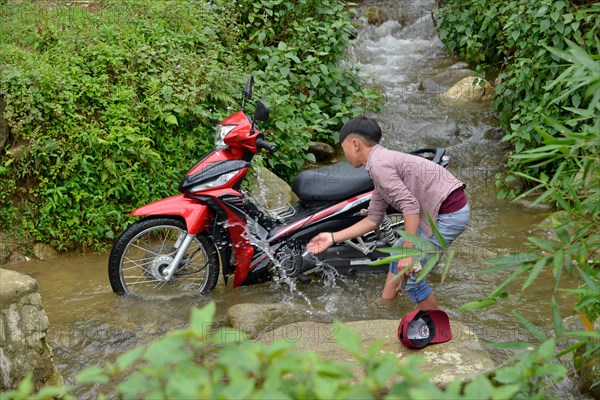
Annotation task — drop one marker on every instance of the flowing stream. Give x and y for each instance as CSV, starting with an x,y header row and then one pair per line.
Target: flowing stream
x,y
405,58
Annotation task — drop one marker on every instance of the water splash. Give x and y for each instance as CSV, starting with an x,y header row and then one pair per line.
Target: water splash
x,y
328,272
257,236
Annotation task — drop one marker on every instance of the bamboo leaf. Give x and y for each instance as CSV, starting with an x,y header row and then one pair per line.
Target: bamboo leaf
x,y
404,251
449,257
571,348
535,271
436,231
431,263
590,283
506,282
387,260
417,241
582,56
543,244
559,328
533,329
557,268
476,305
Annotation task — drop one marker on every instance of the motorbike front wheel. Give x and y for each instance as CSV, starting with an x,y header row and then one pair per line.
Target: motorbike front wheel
x,y
146,249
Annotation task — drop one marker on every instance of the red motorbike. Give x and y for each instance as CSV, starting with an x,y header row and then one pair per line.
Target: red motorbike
x,y
183,241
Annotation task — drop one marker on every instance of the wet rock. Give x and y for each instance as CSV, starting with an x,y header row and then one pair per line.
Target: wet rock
x,y
23,329
322,151
529,203
270,191
463,357
374,16
494,134
388,28
256,318
5,251
44,252
470,90
16,258
449,77
459,65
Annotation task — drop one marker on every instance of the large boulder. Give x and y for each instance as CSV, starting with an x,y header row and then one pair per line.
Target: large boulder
x,y
375,15
23,328
470,90
322,151
463,357
449,76
254,319
270,191
5,249
44,252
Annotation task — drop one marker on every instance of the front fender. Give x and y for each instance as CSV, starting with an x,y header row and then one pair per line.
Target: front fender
x,y
197,216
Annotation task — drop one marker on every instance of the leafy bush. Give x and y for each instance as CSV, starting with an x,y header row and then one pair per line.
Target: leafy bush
x,y
513,38
299,50
573,248
564,169
109,105
199,362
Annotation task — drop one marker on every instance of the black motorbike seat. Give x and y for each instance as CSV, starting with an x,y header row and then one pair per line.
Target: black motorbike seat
x,y
334,182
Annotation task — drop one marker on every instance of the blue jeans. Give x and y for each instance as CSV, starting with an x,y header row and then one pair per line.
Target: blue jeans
x,y
450,226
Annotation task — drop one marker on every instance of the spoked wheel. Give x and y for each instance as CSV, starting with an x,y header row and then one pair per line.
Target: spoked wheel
x,y
140,256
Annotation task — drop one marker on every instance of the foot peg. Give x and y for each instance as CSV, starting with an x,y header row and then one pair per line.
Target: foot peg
x,y
304,279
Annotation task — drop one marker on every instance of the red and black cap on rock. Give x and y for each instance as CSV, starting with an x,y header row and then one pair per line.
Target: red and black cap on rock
x,y
419,328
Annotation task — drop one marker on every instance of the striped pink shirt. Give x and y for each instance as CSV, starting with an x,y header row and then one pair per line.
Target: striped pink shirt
x,y
411,184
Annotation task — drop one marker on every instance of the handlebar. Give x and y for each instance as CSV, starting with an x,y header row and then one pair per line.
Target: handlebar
x,y
262,144
435,154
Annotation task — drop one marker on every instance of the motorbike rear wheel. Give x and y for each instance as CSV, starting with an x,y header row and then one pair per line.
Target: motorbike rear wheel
x,y
146,248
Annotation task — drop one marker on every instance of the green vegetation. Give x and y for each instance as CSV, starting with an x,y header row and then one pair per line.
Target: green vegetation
x,y
514,39
202,363
548,98
108,105
548,53
573,248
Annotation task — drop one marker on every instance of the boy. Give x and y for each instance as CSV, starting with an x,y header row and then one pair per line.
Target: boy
x,y
412,185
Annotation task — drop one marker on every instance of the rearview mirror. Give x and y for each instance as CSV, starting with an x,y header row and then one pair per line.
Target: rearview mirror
x,y
249,88
262,111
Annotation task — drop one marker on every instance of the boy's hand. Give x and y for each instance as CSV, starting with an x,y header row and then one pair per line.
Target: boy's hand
x,y
320,243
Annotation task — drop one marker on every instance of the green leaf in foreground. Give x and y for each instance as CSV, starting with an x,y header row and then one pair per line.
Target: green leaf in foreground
x,y
476,305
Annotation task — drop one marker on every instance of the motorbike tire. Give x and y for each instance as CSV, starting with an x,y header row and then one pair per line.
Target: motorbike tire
x,y
147,247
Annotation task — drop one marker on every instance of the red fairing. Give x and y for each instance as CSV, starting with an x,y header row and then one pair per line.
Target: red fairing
x,y
236,226
240,136
215,156
239,141
243,252
197,216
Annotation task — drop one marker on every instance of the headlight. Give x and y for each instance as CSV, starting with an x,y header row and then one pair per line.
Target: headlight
x,y
220,181
221,132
